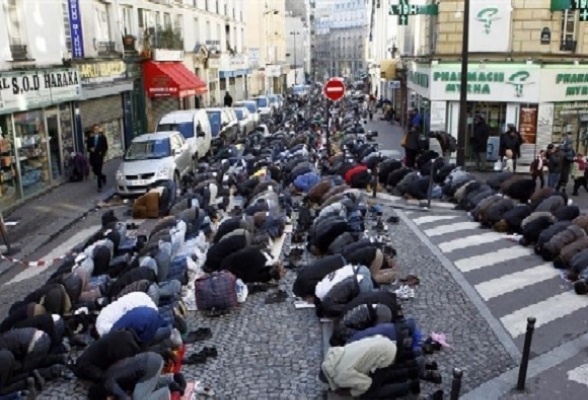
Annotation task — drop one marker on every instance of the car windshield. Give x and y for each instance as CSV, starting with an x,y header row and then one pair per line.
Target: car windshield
x,y
261,102
148,150
215,122
185,128
251,107
240,114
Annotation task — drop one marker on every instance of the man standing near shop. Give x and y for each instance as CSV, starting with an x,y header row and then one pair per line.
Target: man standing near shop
x,y
97,146
480,142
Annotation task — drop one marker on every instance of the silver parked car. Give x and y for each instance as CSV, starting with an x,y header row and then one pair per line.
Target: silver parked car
x,y
246,121
152,158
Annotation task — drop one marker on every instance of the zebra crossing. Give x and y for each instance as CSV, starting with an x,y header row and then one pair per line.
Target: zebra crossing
x,y
512,281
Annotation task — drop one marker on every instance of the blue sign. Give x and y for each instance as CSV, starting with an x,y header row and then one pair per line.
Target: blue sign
x,y
75,27
492,148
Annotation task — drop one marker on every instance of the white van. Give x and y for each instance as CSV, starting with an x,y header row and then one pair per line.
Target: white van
x,y
194,127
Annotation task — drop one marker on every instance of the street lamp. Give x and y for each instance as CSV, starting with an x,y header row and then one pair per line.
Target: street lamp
x,y
463,90
295,33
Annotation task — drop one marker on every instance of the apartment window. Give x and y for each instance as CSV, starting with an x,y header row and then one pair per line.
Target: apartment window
x,y
167,23
126,20
14,22
178,25
216,7
568,30
66,27
208,31
207,5
196,30
101,22
141,17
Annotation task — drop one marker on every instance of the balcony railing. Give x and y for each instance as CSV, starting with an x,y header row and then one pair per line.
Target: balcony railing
x,y
19,52
568,45
105,48
168,38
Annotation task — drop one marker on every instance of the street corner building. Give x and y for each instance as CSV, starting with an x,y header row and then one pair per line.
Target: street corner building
x,y
525,67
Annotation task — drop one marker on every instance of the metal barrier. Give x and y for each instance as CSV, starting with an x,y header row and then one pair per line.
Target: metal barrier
x,y
526,352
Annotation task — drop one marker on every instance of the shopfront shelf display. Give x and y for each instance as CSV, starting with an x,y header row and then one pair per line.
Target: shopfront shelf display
x,y
8,174
31,144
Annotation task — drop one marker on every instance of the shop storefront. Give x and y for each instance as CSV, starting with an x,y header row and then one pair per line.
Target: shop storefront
x,y
502,94
214,94
167,84
105,91
272,79
564,105
36,129
234,76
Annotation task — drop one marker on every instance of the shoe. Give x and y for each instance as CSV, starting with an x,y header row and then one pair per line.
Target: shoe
x,y
277,297
193,359
438,395
414,387
404,292
432,366
433,377
201,390
198,335
211,352
180,380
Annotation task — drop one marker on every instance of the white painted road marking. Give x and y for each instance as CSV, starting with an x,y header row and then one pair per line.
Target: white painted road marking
x,y
458,226
468,241
545,311
57,252
579,375
486,260
515,281
432,218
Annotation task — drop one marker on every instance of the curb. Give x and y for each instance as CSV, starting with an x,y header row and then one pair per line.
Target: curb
x,y
90,207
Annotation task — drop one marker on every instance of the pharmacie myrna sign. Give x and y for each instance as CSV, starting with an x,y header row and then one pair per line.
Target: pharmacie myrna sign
x,y
21,91
516,85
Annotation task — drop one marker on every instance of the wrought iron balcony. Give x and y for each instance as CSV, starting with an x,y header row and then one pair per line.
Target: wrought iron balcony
x,y
19,52
105,48
568,45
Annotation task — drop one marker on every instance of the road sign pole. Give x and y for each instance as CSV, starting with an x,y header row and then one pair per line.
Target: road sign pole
x,y
328,136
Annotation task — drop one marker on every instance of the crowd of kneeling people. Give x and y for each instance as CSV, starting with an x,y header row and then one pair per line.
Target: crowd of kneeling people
x,y
376,352
543,218
117,304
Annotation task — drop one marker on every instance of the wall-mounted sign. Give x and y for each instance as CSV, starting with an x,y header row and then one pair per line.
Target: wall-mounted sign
x,y
102,72
490,26
404,8
545,36
512,83
75,27
38,89
168,55
564,83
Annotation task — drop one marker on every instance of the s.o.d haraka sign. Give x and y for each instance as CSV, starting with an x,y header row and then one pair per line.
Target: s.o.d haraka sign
x,y
36,89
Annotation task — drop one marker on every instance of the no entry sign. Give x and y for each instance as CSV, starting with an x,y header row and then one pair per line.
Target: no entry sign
x,y
334,89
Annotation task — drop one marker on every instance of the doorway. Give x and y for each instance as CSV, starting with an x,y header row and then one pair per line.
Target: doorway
x,y
55,156
493,113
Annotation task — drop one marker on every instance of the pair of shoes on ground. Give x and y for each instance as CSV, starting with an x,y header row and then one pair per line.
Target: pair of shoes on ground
x,y
202,356
404,292
410,280
276,297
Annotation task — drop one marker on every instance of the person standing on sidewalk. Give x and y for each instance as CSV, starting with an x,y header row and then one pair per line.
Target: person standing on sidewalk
x,y
536,169
480,142
511,140
554,165
97,146
567,148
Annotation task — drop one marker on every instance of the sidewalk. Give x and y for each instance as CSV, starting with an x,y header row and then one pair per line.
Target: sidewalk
x,y
42,218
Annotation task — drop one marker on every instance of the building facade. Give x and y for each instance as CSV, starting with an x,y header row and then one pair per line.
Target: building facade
x,y
340,33
266,45
297,35
525,68
66,65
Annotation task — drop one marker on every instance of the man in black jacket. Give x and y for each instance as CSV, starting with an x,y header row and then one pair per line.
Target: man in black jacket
x,y
480,142
97,146
511,140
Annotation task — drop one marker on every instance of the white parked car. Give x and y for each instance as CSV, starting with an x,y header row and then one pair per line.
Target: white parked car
x,y
194,127
274,102
246,121
252,107
264,106
152,158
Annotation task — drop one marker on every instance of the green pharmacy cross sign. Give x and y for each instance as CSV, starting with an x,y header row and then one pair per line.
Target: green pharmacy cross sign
x,y
572,5
403,9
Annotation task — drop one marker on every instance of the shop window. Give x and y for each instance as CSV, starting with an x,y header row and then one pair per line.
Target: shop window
x,y
126,20
9,188
571,118
113,132
167,22
30,139
101,20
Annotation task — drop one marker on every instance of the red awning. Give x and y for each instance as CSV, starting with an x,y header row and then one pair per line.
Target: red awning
x,y
171,79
